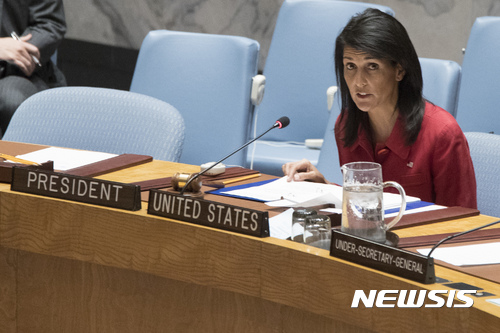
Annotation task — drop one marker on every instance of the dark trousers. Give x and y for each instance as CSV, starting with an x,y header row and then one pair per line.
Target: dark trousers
x,y
13,91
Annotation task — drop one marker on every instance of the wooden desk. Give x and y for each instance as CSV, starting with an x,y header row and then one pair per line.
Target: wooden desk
x,y
71,267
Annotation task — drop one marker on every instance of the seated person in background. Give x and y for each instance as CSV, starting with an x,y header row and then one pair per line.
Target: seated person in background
x,y
41,26
385,119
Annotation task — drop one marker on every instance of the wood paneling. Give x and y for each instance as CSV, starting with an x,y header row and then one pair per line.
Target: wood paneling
x,y
71,267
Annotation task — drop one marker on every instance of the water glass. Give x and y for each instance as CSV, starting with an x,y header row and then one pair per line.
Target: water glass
x,y
318,231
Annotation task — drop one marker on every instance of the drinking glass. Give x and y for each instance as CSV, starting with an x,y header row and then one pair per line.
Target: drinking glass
x,y
318,231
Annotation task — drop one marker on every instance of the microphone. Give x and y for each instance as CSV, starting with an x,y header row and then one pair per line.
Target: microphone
x,y
460,234
280,123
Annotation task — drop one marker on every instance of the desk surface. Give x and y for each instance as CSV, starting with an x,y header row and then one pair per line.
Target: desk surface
x,y
67,266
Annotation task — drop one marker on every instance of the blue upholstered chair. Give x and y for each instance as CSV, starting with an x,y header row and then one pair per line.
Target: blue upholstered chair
x,y
53,57
485,153
478,109
208,78
99,119
328,159
441,82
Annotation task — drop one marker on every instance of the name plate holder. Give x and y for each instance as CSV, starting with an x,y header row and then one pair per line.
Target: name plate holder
x,y
208,213
382,257
76,188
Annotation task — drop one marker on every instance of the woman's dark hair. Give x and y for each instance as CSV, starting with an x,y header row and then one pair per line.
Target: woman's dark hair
x,y
383,37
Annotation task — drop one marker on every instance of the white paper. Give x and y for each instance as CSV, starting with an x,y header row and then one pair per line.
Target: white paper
x,y
495,301
324,199
332,210
280,226
465,255
65,159
282,193
294,192
392,200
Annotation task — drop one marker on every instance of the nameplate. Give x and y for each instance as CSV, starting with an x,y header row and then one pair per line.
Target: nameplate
x,y
76,188
208,213
382,257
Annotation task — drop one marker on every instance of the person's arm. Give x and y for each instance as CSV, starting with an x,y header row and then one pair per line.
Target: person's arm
x,y
19,53
303,170
453,173
47,26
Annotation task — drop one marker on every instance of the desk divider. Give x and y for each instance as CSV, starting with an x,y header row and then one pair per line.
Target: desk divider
x,y
112,164
6,169
431,240
165,182
433,216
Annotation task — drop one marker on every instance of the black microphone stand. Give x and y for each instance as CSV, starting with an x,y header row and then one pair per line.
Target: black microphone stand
x,y
190,180
460,234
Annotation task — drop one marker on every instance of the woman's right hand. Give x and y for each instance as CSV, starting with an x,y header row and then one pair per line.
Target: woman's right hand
x,y
303,170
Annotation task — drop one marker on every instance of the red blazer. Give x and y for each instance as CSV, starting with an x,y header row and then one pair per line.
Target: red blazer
x,y
436,168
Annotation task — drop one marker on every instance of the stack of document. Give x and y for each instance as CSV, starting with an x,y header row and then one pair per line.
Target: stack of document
x,y
65,158
466,255
282,193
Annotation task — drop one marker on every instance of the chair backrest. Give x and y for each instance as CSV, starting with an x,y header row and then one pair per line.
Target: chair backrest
x,y
441,82
53,57
328,160
485,153
300,66
208,78
478,95
99,119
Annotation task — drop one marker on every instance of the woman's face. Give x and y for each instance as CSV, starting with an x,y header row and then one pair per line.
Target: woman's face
x,y
373,83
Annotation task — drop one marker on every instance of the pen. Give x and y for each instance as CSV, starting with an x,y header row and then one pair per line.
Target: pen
x,y
234,180
222,184
35,59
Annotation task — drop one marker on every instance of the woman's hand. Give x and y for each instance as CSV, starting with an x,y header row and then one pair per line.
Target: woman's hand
x,y
303,170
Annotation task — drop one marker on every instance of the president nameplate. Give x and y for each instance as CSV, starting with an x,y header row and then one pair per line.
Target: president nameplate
x,y
208,213
382,257
76,188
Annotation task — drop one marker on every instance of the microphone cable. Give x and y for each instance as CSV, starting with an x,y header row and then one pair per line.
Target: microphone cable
x,y
458,235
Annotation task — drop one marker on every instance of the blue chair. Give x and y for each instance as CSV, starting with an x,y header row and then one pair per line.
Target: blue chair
x,y
299,68
478,95
485,153
53,57
99,119
208,78
441,82
328,159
